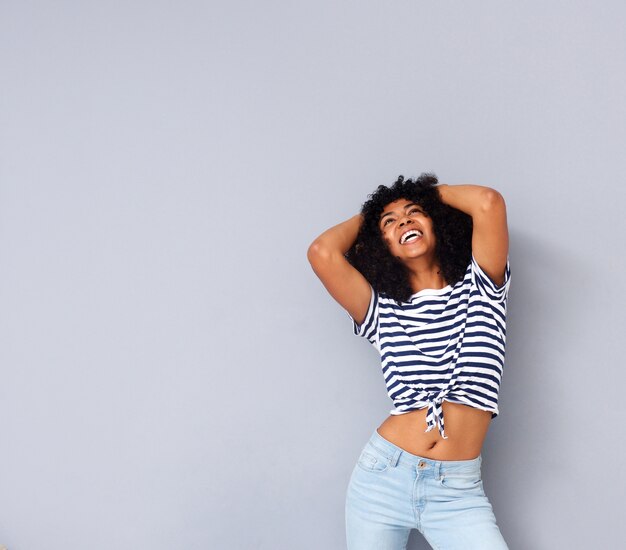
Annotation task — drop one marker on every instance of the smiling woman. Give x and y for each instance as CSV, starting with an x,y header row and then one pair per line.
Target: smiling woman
x,y
441,254
409,235
423,273
404,207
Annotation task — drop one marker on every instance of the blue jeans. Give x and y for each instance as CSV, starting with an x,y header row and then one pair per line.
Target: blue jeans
x,y
392,491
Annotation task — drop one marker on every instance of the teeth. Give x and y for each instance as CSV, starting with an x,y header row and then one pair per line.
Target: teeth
x,y
409,235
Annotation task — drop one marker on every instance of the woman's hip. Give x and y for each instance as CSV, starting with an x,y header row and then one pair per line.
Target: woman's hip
x,y
443,499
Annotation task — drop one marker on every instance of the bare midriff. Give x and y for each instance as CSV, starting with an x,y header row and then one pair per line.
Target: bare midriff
x,y
465,428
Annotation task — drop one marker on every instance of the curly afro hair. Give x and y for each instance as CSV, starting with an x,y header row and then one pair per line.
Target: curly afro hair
x,y
453,236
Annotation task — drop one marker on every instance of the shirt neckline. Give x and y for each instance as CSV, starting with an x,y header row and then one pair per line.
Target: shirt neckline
x,y
431,291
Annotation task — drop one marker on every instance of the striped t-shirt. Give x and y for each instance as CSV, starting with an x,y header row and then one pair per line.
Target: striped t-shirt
x,y
443,343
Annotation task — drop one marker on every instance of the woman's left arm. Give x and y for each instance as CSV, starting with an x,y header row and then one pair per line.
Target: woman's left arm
x,y
490,235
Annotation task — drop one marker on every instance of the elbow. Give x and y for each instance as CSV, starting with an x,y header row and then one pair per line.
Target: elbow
x,y
315,251
492,199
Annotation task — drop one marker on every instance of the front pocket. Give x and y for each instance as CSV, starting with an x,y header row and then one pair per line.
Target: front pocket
x,y
373,460
461,482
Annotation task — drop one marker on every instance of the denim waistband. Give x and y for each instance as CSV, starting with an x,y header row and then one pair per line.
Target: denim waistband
x,y
397,455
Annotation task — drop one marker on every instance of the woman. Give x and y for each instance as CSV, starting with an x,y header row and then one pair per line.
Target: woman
x,y
423,272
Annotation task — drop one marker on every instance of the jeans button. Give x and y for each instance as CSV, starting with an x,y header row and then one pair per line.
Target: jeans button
x,y
422,464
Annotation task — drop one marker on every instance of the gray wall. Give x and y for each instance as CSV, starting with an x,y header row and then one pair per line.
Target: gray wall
x,y
173,373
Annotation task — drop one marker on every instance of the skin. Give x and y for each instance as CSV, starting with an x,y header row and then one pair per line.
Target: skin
x,y
466,427
418,255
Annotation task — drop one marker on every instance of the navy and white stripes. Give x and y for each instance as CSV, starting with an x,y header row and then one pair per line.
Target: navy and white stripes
x,y
444,343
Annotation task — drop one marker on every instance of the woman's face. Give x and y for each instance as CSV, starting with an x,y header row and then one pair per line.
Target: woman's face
x,y
400,216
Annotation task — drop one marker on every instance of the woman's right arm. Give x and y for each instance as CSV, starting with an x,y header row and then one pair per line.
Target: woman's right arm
x,y
344,282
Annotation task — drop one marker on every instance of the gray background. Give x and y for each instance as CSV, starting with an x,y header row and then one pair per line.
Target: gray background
x,y
174,375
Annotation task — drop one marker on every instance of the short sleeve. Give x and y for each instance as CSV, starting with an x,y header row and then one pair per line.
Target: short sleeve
x,y
369,328
486,286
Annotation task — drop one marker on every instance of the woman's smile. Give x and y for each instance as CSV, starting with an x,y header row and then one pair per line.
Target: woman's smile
x,y
406,227
410,236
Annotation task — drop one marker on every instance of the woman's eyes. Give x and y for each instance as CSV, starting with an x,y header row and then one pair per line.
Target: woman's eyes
x,y
410,212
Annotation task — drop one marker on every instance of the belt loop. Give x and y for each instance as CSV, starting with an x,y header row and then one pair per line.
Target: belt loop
x,y
438,469
396,457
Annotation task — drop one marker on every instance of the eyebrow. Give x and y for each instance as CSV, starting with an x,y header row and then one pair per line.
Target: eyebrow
x,y
405,207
